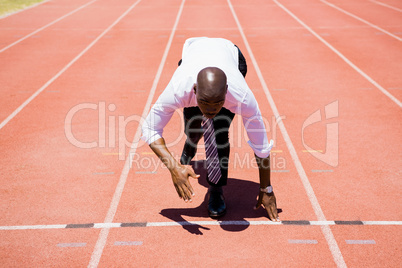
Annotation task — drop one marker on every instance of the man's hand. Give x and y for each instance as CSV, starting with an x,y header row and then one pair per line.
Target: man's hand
x,y
180,173
268,201
180,176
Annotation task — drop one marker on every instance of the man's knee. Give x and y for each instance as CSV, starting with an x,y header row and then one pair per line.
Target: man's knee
x,y
193,138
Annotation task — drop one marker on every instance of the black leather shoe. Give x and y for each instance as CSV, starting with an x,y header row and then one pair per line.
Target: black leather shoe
x,y
216,203
188,154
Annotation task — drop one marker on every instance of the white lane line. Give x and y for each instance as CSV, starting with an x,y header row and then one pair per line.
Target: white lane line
x,y
44,27
361,242
322,223
100,244
22,106
362,20
33,227
333,246
206,223
385,5
107,225
357,69
382,222
19,11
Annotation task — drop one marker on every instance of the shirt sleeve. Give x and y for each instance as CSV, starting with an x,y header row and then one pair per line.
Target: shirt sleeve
x,y
160,114
255,127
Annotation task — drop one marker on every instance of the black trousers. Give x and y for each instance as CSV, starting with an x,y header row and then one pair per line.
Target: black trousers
x,y
221,122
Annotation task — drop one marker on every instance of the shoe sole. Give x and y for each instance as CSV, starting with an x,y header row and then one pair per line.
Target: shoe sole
x,y
216,216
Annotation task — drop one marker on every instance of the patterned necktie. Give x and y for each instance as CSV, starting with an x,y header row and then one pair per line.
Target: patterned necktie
x,y
211,151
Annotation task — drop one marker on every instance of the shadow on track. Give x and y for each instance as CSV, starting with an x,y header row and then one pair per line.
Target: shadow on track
x,y
240,197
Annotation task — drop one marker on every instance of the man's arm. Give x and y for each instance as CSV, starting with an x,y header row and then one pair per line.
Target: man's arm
x,y
179,173
267,200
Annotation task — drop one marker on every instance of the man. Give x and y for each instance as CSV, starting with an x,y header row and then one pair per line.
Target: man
x,y
209,85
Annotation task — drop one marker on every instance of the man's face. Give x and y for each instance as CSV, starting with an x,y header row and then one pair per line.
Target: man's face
x,y
210,105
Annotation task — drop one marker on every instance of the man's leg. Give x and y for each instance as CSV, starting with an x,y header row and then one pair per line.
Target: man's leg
x,y
216,203
222,123
193,130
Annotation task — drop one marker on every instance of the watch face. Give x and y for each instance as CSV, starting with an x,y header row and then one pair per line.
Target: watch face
x,y
267,190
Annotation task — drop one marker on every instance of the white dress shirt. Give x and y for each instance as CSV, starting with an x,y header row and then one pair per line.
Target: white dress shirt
x,y
199,53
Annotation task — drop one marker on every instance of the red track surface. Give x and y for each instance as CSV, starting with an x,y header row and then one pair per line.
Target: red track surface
x,y
48,180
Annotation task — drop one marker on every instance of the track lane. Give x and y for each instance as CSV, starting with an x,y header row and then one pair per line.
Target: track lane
x,y
14,27
373,54
306,92
103,236
386,18
387,5
44,27
372,246
54,181
28,72
43,139
303,93
326,231
216,246
363,20
46,248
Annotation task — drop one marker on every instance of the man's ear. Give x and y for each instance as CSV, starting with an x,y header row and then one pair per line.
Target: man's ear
x,y
195,88
226,89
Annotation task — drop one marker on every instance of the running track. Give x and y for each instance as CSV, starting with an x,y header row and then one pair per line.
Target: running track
x,y
76,77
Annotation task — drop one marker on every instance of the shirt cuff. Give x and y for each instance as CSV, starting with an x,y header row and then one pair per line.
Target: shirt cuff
x,y
262,152
151,139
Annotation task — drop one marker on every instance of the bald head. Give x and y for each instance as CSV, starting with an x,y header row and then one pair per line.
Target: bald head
x,y
211,89
211,82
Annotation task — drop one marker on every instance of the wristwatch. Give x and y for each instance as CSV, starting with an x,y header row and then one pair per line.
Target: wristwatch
x,y
267,190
